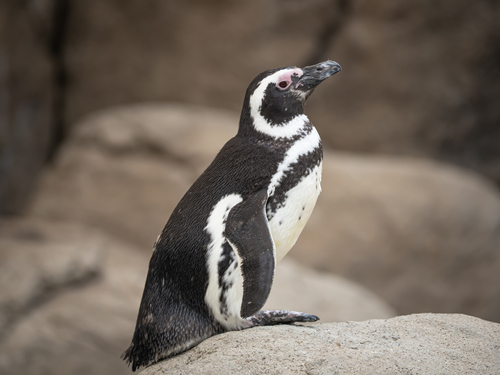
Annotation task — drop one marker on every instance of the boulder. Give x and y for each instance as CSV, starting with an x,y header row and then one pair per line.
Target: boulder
x,y
81,328
330,297
68,308
124,170
423,236
414,344
27,99
187,134
39,259
192,52
419,77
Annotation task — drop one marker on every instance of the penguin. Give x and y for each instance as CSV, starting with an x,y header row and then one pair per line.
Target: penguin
x,y
213,264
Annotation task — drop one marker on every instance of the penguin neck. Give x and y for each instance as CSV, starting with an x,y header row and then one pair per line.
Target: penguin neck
x,y
254,125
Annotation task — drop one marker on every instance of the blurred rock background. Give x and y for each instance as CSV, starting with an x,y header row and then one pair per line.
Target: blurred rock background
x,y
109,110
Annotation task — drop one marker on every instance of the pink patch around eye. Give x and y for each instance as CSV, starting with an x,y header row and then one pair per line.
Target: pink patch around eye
x,y
287,76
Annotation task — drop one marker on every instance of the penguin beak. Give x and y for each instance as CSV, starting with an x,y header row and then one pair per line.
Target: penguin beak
x,y
315,74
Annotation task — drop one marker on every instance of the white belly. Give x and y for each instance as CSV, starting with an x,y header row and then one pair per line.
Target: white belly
x,y
289,220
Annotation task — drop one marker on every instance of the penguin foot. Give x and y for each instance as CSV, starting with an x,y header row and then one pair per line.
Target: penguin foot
x,y
271,317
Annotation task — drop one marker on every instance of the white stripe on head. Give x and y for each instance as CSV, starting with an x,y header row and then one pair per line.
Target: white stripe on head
x,y
287,130
216,225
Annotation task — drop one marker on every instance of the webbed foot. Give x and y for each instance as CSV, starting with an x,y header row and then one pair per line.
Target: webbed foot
x,y
271,317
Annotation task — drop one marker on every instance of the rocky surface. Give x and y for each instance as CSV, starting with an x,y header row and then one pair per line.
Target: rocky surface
x,y
188,134
37,260
423,236
125,169
27,99
415,344
192,52
82,328
419,77
69,298
332,298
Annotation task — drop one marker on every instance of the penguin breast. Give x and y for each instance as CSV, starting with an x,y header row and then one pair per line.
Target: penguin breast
x,y
289,219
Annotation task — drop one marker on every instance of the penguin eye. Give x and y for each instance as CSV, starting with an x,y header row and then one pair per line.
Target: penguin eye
x,y
283,84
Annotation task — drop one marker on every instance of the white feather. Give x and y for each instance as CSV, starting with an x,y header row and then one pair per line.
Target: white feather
x,y
287,130
216,225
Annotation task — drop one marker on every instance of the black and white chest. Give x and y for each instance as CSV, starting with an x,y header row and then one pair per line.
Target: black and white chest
x,y
295,185
294,190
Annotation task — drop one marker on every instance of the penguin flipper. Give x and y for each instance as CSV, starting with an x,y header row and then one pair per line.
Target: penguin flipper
x,y
247,230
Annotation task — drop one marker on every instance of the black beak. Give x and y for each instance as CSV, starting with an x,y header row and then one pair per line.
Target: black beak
x,y
315,74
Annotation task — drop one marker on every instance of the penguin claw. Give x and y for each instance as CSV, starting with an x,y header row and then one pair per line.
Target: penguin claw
x,y
271,317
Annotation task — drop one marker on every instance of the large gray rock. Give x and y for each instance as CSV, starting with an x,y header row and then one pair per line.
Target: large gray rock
x,y
419,77
415,344
332,298
192,52
39,259
187,134
57,318
423,236
27,92
79,329
126,169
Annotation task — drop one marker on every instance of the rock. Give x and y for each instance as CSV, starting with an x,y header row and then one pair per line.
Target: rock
x,y
419,78
332,298
421,235
190,52
39,259
27,92
415,344
188,134
81,329
124,170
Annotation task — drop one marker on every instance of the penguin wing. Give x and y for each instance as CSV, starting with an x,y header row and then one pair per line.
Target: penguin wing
x,y
247,230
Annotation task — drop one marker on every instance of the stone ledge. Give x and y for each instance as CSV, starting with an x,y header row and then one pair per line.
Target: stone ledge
x,y
412,344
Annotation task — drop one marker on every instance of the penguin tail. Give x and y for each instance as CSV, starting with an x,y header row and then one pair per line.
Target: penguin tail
x,y
162,336
128,357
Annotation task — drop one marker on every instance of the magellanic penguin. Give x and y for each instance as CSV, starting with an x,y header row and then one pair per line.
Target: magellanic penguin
x,y
213,264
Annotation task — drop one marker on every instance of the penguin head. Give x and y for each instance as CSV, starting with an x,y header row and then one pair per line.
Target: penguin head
x,y
276,97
